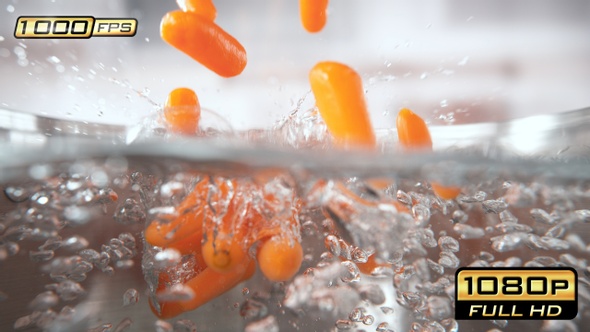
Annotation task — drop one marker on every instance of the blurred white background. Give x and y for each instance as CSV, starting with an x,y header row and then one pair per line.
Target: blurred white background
x,y
452,61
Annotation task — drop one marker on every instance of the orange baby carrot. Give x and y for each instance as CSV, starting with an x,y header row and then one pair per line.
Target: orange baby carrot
x,y
280,257
412,131
189,221
414,134
204,41
222,245
206,8
209,284
445,192
339,96
313,14
183,111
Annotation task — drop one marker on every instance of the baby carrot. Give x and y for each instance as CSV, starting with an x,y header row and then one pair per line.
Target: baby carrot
x,y
313,14
183,111
280,257
209,284
414,134
206,8
412,131
222,245
204,41
189,221
339,96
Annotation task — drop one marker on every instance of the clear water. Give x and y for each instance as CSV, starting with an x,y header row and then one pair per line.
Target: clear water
x,y
73,255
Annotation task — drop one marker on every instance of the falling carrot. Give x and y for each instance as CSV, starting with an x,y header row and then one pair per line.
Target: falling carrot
x,y
204,41
414,134
205,8
313,14
183,111
339,95
412,131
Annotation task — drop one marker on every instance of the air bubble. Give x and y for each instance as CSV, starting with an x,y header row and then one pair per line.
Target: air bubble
x,y
167,258
368,320
447,243
344,324
185,325
130,297
163,326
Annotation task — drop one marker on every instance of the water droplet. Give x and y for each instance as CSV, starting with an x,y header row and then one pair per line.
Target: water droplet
x,y
69,290
383,327
387,310
185,325
421,214
448,260
163,326
10,8
439,307
494,206
44,301
167,258
130,213
352,273
459,217
447,243
268,324
540,215
24,322
435,266
368,320
403,197
332,244
344,324
356,315
41,256
17,194
178,292
130,297
372,293
252,309
468,232
75,243
508,242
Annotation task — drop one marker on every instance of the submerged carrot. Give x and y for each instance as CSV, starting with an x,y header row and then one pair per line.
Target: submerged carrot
x,y
280,258
205,8
313,14
339,96
183,111
204,41
209,284
189,221
414,134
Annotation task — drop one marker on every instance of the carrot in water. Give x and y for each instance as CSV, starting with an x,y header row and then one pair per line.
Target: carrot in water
x,y
210,284
313,14
414,134
339,95
205,8
280,258
204,41
183,111
189,221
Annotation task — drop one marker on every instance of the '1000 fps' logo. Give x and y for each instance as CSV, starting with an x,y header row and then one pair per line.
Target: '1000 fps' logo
x,y
516,293
73,27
